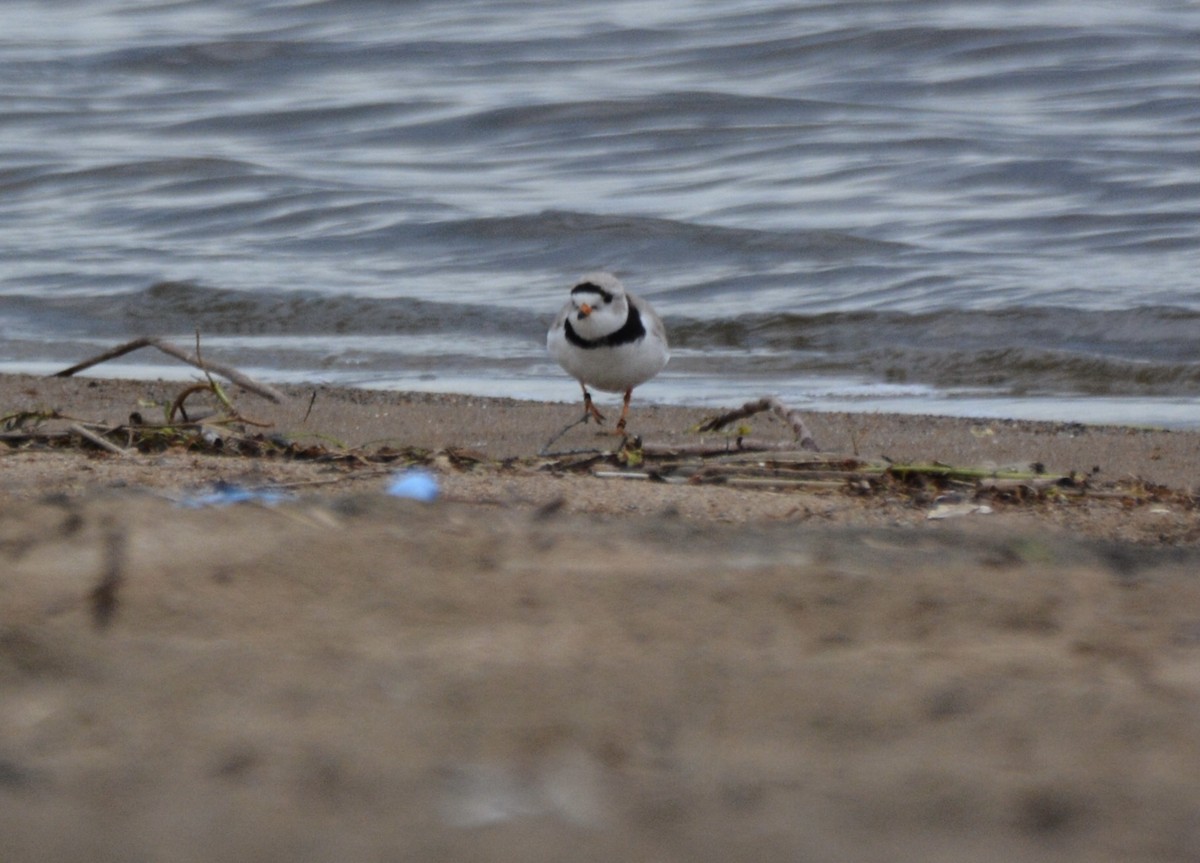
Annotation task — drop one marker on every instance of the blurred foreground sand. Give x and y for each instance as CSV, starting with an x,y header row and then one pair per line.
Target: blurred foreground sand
x,y
555,666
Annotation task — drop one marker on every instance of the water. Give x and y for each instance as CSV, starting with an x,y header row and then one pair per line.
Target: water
x,y
972,208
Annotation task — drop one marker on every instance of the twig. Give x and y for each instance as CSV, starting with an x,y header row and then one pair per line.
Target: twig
x,y
736,445
216,388
232,374
583,420
177,405
777,483
201,366
773,404
97,440
545,450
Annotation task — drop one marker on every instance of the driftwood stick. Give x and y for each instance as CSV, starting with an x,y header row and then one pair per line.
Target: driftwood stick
x,y
97,440
118,351
224,371
770,403
731,447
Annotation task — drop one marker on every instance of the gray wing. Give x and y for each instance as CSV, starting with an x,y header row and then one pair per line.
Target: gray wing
x,y
561,318
650,318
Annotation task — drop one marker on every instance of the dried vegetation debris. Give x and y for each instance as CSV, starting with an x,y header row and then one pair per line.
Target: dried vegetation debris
x,y
219,428
740,461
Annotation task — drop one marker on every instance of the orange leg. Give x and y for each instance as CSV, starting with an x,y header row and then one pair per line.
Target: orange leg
x,y
590,409
624,411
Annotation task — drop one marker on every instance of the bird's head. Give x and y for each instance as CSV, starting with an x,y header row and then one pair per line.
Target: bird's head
x,y
600,304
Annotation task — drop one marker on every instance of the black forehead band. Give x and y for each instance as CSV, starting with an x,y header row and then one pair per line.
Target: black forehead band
x,y
592,288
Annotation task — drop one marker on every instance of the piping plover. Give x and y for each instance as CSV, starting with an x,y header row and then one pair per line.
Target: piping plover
x,y
607,339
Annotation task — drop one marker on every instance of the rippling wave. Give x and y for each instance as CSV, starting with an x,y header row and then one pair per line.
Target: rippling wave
x,y
995,198
1139,352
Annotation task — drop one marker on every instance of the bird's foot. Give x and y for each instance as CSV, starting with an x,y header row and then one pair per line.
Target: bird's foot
x,y
590,411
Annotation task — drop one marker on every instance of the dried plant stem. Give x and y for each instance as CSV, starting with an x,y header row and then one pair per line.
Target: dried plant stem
x,y
97,440
773,404
206,366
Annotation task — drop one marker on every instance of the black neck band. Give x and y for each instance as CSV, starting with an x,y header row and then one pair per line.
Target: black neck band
x,y
630,331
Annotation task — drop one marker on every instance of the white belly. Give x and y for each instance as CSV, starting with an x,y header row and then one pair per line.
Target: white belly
x,y
612,370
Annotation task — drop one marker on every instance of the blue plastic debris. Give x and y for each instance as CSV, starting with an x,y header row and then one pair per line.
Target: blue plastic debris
x,y
416,484
225,493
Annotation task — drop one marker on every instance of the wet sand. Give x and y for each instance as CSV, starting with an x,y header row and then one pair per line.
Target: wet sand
x,y
545,664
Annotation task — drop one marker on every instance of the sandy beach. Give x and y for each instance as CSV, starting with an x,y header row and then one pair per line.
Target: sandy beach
x,y
570,656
